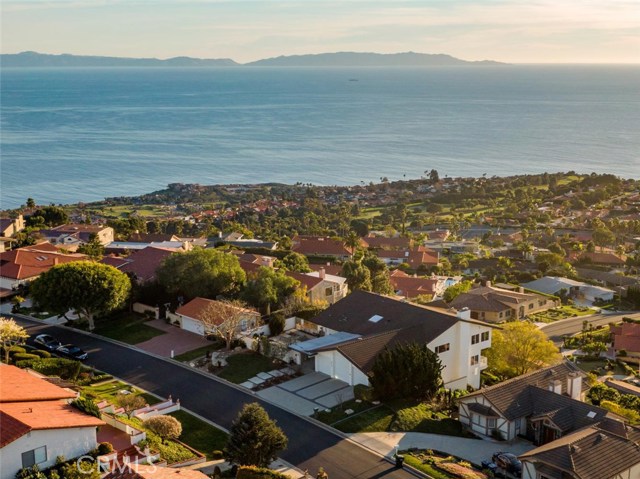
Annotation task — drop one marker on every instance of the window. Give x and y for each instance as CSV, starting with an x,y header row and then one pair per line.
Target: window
x,y
482,315
475,339
508,313
442,348
485,336
475,360
501,313
491,423
34,456
531,305
328,291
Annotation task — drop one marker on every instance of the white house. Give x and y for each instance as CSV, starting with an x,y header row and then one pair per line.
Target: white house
x,y
38,424
380,322
575,289
190,317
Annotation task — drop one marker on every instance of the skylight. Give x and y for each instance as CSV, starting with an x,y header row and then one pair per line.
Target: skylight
x,y
375,318
591,414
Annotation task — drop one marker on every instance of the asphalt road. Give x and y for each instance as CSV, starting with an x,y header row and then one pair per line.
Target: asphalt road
x,y
555,331
310,446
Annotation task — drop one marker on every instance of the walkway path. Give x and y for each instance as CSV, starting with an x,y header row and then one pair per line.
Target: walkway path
x,y
472,450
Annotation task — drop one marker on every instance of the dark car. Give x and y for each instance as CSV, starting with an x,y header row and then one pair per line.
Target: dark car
x,y
508,462
48,342
71,351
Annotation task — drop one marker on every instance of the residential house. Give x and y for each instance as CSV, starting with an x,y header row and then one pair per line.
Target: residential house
x,y
238,240
71,236
126,247
320,246
152,237
10,226
542,406
381,322
37,424
576,290
626,338
142,264
493,305
414,258
603,258
322,287
607,450
334,269
411,287
191,314
384,242
456,247
623,387
22,265
259,259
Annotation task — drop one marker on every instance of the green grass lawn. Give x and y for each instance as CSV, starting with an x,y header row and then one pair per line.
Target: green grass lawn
x,y
109,391
200,435
373,420
562,312
127,327
198,353
589,366
246,365
338,412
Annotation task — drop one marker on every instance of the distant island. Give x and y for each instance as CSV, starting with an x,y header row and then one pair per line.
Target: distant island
x,y
340,59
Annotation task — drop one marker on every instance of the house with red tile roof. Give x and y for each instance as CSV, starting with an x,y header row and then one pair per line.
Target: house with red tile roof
x,y
71,236
22,265
11,226
142,264
383,242
626,337
321,287
320,246
37,423
410,287
414,257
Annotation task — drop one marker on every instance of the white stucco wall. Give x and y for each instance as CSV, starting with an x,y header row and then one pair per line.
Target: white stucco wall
x,y
70,443
192,325
337,366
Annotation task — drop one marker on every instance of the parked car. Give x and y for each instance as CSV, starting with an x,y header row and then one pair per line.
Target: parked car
x,y
48,342
72,352
508,462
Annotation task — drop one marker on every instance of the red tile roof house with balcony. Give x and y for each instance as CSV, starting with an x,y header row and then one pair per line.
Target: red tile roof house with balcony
x,y
37,424
626,338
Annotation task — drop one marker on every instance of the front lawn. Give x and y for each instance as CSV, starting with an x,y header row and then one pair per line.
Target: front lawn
x,y
561,312
200,352
243,366
126,327
372,420
600,366
108,391
200,435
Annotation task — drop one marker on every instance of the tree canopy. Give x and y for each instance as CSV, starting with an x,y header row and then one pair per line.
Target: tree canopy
x,y
201,272
357,274
520,347
224,319
452,292
407,371
296,262
11,334
86,287
269,287
167,427
379,274
254,439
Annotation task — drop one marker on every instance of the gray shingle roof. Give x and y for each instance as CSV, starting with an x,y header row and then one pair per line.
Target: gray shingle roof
x,y
596,452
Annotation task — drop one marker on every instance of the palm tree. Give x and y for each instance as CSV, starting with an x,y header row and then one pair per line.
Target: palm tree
x,y
352,241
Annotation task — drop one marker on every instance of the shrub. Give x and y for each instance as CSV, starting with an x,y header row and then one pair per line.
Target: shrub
x,y
86,405
104,448
362,392
217,454
41,353
64,368
276,324
164,426
24,356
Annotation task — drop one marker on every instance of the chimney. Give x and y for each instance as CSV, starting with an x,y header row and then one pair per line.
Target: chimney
x,y
520,289
321,273
464,313
574,386
556,386
488,284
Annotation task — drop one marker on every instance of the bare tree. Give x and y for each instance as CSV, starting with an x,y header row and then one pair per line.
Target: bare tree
x,y
130,402
225,318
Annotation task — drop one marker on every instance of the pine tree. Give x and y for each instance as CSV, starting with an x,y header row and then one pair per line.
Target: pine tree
x,y
254,439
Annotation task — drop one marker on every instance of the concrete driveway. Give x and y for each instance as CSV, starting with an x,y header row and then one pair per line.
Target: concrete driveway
x,y
174,339
472,450
304,394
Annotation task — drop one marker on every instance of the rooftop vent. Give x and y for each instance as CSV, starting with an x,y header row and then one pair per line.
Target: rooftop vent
x,y
375,318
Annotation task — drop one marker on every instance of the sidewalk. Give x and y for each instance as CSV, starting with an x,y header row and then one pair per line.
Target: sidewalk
x,y
472,450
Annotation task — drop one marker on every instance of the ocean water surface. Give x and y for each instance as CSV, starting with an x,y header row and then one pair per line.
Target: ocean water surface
x,y
69,135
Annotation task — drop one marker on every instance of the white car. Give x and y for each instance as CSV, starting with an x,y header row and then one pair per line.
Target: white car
x,y
48,342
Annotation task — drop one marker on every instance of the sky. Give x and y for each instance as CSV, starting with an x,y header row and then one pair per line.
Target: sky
x,y
514,31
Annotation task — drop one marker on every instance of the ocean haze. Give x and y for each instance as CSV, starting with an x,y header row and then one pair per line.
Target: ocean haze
x,y
82,134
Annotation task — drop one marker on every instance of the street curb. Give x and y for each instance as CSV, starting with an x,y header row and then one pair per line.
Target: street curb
x,y
313,421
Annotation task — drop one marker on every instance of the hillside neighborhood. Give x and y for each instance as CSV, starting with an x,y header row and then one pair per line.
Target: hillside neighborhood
x,y
486,326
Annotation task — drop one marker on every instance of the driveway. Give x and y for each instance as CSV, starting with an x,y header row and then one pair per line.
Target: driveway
x,y
311,445
174,339
472,450
306,394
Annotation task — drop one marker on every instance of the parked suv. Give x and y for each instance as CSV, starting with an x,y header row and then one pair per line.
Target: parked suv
x,y
508,462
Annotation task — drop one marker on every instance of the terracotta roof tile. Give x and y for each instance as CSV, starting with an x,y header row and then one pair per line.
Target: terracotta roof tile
x,y
18,385
319,245
11,429
49,415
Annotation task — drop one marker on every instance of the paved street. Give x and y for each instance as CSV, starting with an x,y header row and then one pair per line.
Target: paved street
x,y
310,446
571,326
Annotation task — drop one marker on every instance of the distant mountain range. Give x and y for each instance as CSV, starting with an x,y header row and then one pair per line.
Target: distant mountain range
x,y
341,59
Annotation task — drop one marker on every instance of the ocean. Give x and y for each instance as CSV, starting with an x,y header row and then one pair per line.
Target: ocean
x,y
70,135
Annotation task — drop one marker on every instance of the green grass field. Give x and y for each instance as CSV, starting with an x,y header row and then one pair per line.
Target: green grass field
x,y
199,434
128,328
110,390
244,366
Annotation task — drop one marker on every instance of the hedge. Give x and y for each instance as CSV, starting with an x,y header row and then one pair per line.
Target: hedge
x,y
41,353
24,356
64,368
252,472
